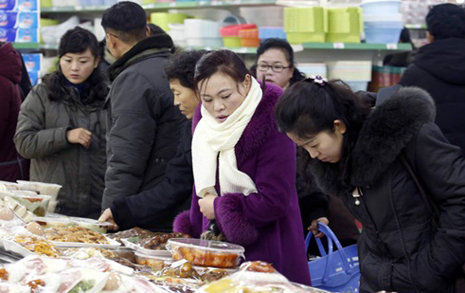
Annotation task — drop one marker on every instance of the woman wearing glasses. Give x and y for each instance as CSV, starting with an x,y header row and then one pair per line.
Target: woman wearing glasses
x,y
275,63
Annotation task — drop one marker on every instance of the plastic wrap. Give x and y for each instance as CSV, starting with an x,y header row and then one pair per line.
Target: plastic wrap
x,y
256,277
206,252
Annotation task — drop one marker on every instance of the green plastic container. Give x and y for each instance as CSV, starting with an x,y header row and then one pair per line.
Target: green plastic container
x,y
162,19
343,38
46,3
312,19
347,20
299,38
233,42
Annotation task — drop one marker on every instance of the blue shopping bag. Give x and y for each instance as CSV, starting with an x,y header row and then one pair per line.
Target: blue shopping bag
x,y
335,271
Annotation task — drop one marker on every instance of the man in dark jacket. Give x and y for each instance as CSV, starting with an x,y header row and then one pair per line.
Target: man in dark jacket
x,y
142,121
12,166
439,68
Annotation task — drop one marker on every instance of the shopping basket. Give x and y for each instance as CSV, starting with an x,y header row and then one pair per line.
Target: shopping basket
x,y
335,271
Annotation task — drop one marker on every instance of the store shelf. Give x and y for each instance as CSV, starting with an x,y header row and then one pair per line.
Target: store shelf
x,y
419,26
297,48
49,46
353,46
26,46
163,6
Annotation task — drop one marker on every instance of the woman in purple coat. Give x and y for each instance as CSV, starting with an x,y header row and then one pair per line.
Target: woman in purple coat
x,y
244,169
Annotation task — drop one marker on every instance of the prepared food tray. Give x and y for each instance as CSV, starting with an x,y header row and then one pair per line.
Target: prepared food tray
x,y
154,246
28,245
87,252
62,221
76,236
206,252
136,233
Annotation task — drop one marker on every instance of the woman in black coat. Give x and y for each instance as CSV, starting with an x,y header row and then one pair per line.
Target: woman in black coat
x,y
158,206
356,155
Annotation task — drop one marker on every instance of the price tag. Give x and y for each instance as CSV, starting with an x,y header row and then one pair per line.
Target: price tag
x,y
298,48
391,46
338,45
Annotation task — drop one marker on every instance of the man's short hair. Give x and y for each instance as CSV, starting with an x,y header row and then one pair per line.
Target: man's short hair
x,y
446,21
127,20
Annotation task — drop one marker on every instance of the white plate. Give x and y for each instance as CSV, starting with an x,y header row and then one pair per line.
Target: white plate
x,y
112,244
151,252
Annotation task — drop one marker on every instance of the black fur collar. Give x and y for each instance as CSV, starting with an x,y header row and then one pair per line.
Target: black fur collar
x,y
387,130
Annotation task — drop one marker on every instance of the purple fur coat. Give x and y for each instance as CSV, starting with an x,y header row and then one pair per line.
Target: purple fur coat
x,y
266,223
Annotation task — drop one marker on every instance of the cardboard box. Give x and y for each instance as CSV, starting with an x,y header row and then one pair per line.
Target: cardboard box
x,y
14,19
19,5
20,35
33,62
33,77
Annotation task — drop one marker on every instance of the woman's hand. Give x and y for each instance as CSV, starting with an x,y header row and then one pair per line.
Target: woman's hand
x,y
206,206
314,227
107,216
79,135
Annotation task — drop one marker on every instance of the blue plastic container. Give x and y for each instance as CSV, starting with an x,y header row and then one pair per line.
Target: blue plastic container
x,y
383,32
387,6
271,32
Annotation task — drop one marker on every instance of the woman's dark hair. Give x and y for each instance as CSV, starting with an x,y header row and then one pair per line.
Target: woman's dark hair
x,y
77,40
224,61
286,48
181,66
307,108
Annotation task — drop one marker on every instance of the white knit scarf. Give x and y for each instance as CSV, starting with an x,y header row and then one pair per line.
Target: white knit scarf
x,y
212,138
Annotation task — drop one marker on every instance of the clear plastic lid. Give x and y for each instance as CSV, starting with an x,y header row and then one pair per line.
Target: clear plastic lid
x,y
215,246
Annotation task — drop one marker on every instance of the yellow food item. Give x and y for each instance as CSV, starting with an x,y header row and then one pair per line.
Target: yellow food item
x,y
37,245
75,234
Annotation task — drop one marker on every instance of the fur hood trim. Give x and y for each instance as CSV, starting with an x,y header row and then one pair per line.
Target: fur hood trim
x,y
261,124
385,133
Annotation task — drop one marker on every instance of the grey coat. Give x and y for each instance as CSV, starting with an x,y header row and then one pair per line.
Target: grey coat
x,y
143,123
41,137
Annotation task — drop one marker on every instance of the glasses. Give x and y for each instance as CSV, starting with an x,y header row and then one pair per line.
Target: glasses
x,y
275,67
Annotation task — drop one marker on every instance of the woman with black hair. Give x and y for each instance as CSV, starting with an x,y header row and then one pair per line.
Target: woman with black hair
x,y
275,63
61,126
392,167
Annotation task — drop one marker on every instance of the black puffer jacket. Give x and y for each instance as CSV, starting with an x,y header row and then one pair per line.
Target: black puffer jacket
x,y
143,123
399,249
439,68
156,208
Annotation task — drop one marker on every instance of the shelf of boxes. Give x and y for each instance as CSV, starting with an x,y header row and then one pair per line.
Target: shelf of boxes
x,y
163,6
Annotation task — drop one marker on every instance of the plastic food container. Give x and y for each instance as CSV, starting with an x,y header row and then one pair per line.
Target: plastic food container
x,y
91,224
205,252
386,6
43,189
37,204
157,263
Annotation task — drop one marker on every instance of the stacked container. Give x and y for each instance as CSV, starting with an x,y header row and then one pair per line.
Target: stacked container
x,y
202,33
382,20
268,32
230,34
356,74
176,33
163,19
304,25
345,25
249,37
